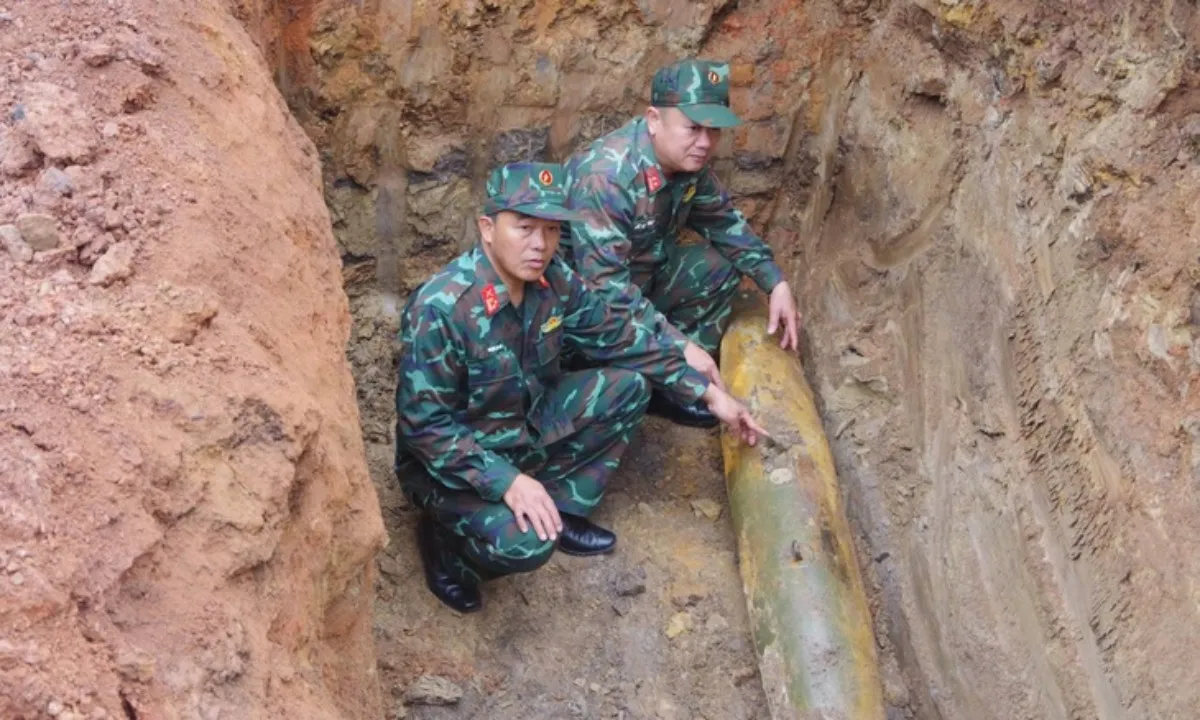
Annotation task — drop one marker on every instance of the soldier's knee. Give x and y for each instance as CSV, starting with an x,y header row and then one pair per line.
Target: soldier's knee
x,y
523,554
631,387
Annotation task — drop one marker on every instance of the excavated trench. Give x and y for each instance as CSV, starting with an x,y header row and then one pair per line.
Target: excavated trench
x,y
988,213
987,209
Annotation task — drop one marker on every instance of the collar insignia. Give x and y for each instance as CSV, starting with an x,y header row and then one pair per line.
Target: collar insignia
x,y
491,303
654,179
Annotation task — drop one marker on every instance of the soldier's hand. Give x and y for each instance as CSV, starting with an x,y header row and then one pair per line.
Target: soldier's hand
x,y
782,309
702,362
533,507
734,415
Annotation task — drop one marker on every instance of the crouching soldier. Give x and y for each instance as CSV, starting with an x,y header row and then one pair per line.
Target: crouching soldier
x,y
636,189
504,453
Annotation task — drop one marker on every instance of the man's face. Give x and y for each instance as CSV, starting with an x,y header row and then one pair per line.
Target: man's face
x,y
680,144
519,246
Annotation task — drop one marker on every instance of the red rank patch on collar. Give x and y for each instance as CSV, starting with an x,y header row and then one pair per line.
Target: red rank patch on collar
x,y
543,282
491,303
654,179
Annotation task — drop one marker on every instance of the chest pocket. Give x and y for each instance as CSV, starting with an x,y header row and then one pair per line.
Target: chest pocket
x,y
494,383
646,244
550,344
681,215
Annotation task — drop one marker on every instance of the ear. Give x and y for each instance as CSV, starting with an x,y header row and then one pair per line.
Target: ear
x,y
653,120
486,229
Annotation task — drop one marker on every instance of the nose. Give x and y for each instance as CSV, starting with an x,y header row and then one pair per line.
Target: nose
x,y
540,239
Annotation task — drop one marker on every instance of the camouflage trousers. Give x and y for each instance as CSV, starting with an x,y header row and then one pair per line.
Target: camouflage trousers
x,y
694,289
604,407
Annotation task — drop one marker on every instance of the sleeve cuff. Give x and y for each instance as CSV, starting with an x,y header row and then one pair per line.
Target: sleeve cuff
x,y
498,477
689,388
767,275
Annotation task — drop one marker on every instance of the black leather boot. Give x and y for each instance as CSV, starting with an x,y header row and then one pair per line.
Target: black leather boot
x,y
581,536
433,545
694,415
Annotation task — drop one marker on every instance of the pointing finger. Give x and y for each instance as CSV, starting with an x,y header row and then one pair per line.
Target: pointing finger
x,y
754,426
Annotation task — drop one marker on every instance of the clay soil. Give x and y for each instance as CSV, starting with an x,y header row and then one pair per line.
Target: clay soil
x,y
988,211
656,630
187,528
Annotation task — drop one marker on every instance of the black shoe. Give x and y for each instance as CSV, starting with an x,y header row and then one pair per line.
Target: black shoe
x,y
581,537
694,415
431,541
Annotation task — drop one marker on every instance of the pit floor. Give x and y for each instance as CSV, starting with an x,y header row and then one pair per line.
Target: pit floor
x,y
576,638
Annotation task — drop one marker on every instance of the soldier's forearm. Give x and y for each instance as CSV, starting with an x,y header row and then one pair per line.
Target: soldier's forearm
x,y
486,472
686,387
673,334
730,233
497,477
451,455
767,274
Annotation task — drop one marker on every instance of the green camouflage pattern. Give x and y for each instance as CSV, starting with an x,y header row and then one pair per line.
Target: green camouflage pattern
x,y
604,408
626,240
700,315
481,396
700,88
529,188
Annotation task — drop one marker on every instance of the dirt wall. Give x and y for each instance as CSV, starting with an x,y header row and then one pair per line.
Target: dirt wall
x,y
186,521
1001,288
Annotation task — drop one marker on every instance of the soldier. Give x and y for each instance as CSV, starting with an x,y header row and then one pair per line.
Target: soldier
x,y
636,188
503,452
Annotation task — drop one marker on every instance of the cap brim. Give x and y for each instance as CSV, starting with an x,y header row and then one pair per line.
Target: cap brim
x,y
711,115
547,211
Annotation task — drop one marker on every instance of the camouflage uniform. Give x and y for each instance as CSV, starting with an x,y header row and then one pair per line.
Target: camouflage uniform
x,y
482,397
626,242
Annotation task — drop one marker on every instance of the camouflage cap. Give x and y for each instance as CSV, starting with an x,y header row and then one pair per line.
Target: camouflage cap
x,y
700,88
534,189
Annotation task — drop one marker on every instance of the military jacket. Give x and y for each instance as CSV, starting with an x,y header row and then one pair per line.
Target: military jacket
x,y
633,215
474,367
